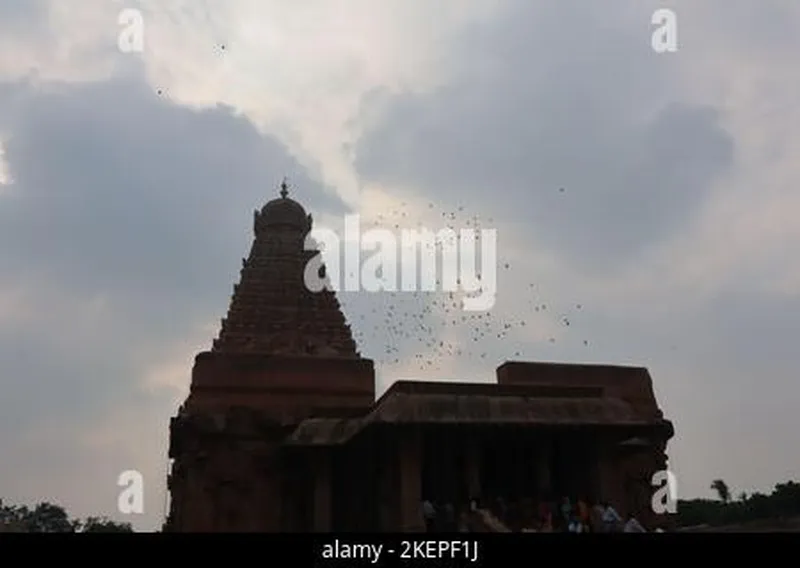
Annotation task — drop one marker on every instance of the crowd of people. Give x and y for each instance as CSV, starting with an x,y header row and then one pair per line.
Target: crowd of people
x,y
576,516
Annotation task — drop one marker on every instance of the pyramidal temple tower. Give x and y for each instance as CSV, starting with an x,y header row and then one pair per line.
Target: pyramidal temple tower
x,y
272,311
284,354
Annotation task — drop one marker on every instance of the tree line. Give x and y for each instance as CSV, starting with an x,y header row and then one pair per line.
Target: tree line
x,y
50,518
782,503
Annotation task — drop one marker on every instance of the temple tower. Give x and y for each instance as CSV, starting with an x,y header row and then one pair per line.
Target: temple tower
x,y
271,310
283,354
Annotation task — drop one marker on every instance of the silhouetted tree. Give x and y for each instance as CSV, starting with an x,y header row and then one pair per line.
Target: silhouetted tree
x,y
103,524
783,502
50,518
722,490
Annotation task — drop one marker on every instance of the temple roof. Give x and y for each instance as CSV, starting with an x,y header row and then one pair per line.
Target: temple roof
x,y
271,310
418,402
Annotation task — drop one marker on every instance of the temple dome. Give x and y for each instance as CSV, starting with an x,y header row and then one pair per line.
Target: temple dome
x,y
283,211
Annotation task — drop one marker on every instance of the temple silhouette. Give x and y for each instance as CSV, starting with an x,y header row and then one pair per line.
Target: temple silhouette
x,y
281,431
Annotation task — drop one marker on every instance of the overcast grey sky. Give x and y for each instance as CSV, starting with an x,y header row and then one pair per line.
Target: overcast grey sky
x,y
127,183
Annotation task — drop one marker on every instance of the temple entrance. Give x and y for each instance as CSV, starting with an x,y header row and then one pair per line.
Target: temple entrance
x,y
573,467
538,468
511,467
517,472
442,469
297,500
443,477
508,471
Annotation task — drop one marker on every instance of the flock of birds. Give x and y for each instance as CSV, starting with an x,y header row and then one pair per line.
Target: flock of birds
x,y
419,331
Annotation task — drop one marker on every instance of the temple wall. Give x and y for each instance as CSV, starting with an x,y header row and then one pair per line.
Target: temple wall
x,y
196,509
218,477
305,374
631,384
638,471
287,408
624,479
290,389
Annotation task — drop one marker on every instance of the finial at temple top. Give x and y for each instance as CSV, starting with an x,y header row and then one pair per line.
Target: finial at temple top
x,y
284,188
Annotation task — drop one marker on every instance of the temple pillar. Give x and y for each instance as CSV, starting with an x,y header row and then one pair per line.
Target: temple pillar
x,y
269,494
289,503
610,478
473,470
388,495
543,454
321,465
411,519
449,490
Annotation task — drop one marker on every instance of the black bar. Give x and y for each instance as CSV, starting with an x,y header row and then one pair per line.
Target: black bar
x,y
460,549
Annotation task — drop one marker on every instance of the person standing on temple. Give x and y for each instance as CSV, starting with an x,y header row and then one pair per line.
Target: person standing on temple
x,y
566,512
429,514
546,517
611,519
464,520
584,514
501,509
597,511
450,523
575,525
633,526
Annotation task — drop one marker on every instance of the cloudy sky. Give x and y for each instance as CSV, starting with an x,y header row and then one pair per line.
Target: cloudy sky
x,y
128,180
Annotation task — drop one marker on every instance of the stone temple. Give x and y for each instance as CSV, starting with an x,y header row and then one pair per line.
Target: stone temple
x,y
281,431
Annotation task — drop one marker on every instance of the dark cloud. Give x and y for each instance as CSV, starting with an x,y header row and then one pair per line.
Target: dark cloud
x,y
124,200
118,190
545,98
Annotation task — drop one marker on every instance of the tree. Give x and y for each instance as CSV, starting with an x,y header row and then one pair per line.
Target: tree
x,y
11,517
722,490
45,517
104,525
50,518
783,504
